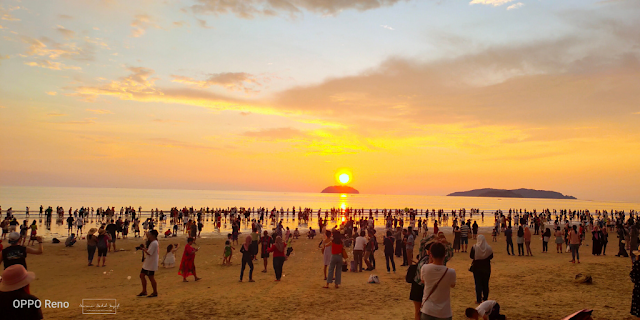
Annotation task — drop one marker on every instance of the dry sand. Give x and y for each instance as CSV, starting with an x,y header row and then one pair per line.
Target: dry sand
x,y
538,287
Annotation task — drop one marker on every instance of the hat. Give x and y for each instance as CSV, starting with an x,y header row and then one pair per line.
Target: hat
x,y
15,277
14,237
101,231
92,231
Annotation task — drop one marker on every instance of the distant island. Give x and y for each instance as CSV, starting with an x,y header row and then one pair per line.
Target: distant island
x,y
516,193
340,189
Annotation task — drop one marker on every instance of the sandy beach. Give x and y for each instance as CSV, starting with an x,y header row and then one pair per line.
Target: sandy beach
x,y
538,287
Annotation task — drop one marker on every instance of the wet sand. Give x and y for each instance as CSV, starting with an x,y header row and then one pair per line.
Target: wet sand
x,y
538,287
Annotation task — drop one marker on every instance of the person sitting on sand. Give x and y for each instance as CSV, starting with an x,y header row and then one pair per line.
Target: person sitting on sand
x,y
167,233
169,260
15,288
71,240
488,310
311,234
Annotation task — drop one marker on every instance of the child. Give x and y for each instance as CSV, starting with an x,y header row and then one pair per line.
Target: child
x,y
494,234
488,310
289,248
169,260
228,252
167,233
175,229
296,234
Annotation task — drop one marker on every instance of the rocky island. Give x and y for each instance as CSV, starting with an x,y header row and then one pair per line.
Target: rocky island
x,y
340,189
516,193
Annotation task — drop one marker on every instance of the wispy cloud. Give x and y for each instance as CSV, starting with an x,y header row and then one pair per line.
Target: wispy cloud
x,y
81,122
387,27
99,111
66,33
248,9
237,81
515,6
494,3
5,14
55,114
140,24
53,65
52,93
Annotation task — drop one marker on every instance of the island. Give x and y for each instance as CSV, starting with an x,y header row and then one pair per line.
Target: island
x,y
516,193
340,189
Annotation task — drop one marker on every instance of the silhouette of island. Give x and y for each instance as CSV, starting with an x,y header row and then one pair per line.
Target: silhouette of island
x,y
516,193
340,189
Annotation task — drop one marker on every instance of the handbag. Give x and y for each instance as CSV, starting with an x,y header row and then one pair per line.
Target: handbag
x,y
471,268
411,273
434,287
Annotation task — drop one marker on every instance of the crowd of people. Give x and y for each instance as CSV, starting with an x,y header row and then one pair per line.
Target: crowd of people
x,y
350,241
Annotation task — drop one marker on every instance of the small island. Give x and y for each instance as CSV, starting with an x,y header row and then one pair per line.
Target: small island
x,y
340,189
516,193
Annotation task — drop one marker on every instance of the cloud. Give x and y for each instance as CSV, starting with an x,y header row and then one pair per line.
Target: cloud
x,y
515,6
235,81
5,14
53,65
387,27
140,24
52,93
203,24
66,33
81,122
494,3
55,114
168,121
171,143
99,111
249,9
275,134
179,24
46,47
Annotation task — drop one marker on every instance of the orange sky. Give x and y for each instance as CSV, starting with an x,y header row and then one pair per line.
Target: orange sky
x,y
141,95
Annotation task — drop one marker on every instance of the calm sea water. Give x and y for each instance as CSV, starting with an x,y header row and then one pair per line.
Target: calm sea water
x,y
20,197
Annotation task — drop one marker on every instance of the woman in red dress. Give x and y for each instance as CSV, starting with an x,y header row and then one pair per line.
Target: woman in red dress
x,y
187,264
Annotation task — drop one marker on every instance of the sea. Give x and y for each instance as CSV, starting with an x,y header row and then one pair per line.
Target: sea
x,y
18,198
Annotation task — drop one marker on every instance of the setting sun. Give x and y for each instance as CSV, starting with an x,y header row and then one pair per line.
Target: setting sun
x,y
344,178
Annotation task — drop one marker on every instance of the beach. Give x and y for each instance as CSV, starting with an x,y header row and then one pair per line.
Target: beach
x,y
538,287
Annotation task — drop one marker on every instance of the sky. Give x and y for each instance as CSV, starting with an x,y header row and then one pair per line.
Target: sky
x,y
411,97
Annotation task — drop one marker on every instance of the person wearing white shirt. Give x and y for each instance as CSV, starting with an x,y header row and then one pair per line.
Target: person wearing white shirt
x,y
488,310
358,250
438,281
150,264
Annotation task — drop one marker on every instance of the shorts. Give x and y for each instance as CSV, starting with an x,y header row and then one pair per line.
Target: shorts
x,y
464,240
102,252
147,272
417,292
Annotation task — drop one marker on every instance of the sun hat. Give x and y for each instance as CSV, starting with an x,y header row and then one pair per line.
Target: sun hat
x,y
15,277
14,237
92,231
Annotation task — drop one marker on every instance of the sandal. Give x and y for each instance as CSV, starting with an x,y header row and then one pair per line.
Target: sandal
x,y
142,294
153,295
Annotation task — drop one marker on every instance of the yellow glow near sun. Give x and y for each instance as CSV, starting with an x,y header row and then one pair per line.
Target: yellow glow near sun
x,y
344,178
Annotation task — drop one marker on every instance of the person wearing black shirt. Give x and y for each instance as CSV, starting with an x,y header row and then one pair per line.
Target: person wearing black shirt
x,y
15,286
17,254
112,228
